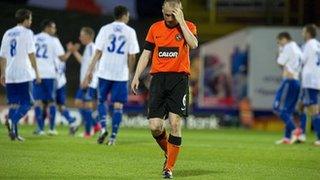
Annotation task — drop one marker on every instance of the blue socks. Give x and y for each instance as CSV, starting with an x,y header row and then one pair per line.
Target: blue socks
x,y
287,119
316,124
303,121
39,117
52,116
18,114
116,120
102,115
95,118
11,112
87,115
65,113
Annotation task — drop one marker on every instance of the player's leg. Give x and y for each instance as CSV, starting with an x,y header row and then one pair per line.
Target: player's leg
x,y
87,112
95,113
116,121
104,86
61,102
38,95
177,105
311,101
78,102
95,118
24,106
280,109
50,87
290,103
119,96
174,140
302,118
315,117
157,112
300,131
13,101
159,133
52,118
9,122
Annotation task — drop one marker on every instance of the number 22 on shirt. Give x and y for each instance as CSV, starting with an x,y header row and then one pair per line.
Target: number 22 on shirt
x,y
41,51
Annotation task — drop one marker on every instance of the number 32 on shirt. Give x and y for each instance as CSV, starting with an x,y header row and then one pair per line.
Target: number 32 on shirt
x,y
116,44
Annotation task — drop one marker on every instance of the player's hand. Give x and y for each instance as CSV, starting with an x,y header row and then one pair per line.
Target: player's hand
x,y
38,80
178,14
77,46
70,47
135,85
3,80
86,81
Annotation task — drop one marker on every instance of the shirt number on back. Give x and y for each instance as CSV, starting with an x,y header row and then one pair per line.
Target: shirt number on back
x,y
13,47
41,51
113,44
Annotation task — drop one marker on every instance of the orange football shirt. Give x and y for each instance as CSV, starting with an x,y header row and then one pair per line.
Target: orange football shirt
x,y
170,49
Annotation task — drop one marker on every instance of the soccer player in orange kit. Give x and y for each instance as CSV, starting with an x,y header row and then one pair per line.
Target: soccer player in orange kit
x,y
167,44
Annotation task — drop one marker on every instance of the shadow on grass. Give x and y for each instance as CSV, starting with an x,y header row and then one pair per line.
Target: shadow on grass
x,y
194,172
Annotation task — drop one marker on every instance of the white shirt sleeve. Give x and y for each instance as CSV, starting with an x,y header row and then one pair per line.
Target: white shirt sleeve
x,y
30,43
133,44
58,48
100,40
307,50
3,48
283,57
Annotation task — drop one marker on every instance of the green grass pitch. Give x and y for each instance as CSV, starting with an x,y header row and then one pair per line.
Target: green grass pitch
x,y
206,154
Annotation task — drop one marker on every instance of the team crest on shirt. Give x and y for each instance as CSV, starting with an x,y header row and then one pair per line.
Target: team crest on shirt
x,y
178,37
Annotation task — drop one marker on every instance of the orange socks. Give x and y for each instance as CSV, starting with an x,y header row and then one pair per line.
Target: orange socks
x,y
162,140
173,151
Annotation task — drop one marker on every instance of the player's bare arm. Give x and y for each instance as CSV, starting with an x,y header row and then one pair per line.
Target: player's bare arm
x,y
3,62
131,63
32,58
188,35
91,68
75,51
142,64
65,57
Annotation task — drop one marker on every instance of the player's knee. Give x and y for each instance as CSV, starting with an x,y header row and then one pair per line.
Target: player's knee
x,y
78,103
13,106
300,108
88,105
313,110
39,103
61,108
176,126
117,105
156,127
51,103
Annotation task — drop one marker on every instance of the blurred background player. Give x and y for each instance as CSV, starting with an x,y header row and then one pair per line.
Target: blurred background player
x,y
168,43
86,96
61,92
288,93
116,48
311,76
47,50
18,69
